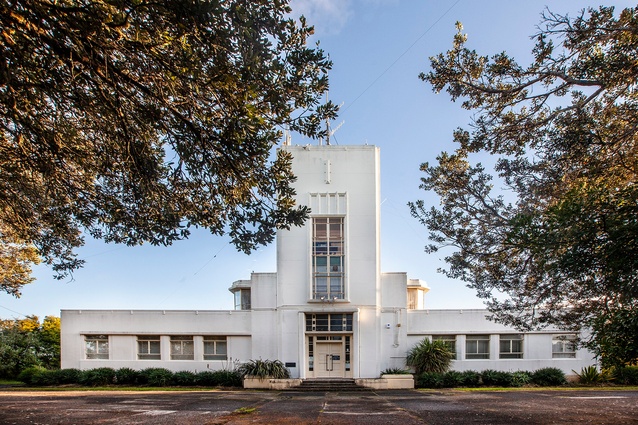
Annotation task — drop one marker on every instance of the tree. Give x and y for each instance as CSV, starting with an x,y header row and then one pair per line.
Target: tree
x,y
135,121
558,245
27,342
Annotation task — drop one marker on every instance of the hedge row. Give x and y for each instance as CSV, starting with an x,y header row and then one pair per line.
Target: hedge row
x,y
152,377
627,375
549,376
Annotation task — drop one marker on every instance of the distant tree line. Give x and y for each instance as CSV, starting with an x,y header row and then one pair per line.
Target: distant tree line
x,y
28,343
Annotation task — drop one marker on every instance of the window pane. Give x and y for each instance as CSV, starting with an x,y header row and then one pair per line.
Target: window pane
x,y
336,322
477,347
182,348
321,322
245,299
517,346
321,287
308,322
321,248
321,264
320,229
335,230
564,347
96,347
336,287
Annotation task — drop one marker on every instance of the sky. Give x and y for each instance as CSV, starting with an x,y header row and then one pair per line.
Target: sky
x,y
378,49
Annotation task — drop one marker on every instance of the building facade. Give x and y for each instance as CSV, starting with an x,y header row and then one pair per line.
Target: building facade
x,y
328,311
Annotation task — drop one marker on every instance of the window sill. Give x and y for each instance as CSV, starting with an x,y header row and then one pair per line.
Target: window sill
x,y
328,301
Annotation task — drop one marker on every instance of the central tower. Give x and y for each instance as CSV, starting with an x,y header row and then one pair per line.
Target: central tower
x,y
328,271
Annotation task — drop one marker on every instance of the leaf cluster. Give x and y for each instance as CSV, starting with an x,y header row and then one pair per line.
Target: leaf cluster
x,y
549,236
429,356
264,369
135,121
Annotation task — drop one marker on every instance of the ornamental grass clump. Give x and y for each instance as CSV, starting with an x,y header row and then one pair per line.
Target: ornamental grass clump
x,y
396,371
430,356
264,369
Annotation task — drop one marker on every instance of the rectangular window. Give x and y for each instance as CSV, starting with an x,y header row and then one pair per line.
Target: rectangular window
x,y
477,347
148,348
511,347
347,353
564,347
215,348
449,340
328,258
242,299
329,322
96,346
182,348
311,354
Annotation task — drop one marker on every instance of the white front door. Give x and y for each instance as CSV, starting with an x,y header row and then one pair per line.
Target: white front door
x,y
329,359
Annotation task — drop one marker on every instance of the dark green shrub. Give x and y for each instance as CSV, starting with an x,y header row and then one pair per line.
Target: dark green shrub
x,y
206,379
471,378
430,356
496,378
127,376
430,380
264,368
227,378
520,378
156,377
626,375
45,378
68,376
219,378
452,379
490,377
98,377
184,378
549,377
28,373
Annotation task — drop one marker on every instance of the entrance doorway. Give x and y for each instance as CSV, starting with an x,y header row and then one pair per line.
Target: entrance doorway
x,y
329,360
329,356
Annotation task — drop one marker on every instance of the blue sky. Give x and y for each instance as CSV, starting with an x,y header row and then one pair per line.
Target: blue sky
x,y
378,48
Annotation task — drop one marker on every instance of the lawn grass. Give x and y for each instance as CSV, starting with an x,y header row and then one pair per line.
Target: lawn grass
x,y
10,382
565,388
68,388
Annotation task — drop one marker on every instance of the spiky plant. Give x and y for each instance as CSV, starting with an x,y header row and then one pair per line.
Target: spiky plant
x,y
264,369
430,356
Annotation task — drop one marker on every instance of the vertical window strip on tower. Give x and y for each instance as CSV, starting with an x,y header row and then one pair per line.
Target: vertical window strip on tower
x,y
328,258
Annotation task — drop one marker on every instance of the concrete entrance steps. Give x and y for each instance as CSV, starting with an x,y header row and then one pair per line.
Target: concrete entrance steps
x,y
329,384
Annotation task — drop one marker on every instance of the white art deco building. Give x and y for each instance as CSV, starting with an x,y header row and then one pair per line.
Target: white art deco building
x,y
328,311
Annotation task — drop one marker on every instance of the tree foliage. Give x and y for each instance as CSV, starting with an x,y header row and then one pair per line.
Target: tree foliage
x,y
135,121
16,261
557,242
429,356
28,343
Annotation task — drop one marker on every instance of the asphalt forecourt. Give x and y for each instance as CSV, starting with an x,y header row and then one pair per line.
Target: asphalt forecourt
x,y
290,407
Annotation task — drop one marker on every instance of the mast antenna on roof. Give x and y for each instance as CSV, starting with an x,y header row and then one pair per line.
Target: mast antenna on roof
x,y
329,132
